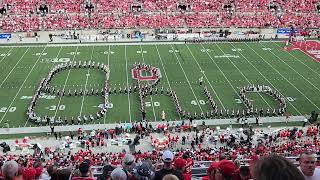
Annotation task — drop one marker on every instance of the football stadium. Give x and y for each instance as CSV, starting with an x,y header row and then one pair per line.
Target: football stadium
x,y
159,89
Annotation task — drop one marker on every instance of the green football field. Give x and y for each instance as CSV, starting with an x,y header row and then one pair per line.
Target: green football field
x,y
225,67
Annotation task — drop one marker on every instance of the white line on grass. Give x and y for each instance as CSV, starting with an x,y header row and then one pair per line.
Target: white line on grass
x,y
265,78
300,60
108,60
65,83
237,93
14,67
127,75
21,86
185,75
293,69
6,54
85,86
284,78
165,73
206,77
242,74
154,112
49,69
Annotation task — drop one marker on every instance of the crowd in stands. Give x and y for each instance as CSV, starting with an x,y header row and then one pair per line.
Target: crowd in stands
x,y
226,161
20,15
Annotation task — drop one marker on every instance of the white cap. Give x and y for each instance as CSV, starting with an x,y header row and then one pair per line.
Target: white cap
x,y
167,156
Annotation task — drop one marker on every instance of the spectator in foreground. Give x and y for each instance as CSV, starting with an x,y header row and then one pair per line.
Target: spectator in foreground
x,y
227,170
106,174
211,172
244,173
276,167
10,171
119,174
128,162
170,177
143,171
85,171
180,165
63,174
167,158
307,166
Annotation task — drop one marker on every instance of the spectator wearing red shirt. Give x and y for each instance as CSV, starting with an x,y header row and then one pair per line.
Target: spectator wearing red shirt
x,y
227,170
180,165
85,170
211,172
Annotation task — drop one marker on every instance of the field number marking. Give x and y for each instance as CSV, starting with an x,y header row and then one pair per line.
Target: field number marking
x,y
107,52
54,107
236,50
139,52
205,50
41,54
5,54
291,99
171,51
109,106
74,53
201,102
11,109
55,60
155,103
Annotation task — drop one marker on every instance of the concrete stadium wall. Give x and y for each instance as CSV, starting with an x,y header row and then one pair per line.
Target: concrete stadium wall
x,y
111,35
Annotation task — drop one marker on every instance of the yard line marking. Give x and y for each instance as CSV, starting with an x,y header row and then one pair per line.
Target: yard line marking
x,y
14,66
6,53
65,84
206,77
49,69
85,86
165,73
21,85
266,79
300,61
108,60
129,105
154,112
185,75
284,78
237,93
293,69
242,74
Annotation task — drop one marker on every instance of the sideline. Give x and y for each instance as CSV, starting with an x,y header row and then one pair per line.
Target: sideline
x,y
210,122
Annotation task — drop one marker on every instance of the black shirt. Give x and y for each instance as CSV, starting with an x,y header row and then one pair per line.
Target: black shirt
x,y
160,174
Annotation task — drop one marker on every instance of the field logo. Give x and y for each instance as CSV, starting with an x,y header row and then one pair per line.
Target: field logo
x,y
145,73
310,48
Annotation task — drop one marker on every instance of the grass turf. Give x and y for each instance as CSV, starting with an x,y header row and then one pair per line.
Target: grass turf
x,y
294,74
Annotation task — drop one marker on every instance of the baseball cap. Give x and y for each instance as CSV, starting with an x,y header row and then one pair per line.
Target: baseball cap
x,y
143,171
118,174
128,159
179,163
167,156
227,167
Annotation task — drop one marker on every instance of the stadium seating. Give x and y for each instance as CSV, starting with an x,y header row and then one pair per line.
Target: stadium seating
x,y
288,142
25,16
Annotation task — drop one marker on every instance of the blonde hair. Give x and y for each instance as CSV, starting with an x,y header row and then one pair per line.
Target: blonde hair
x,y
170,177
